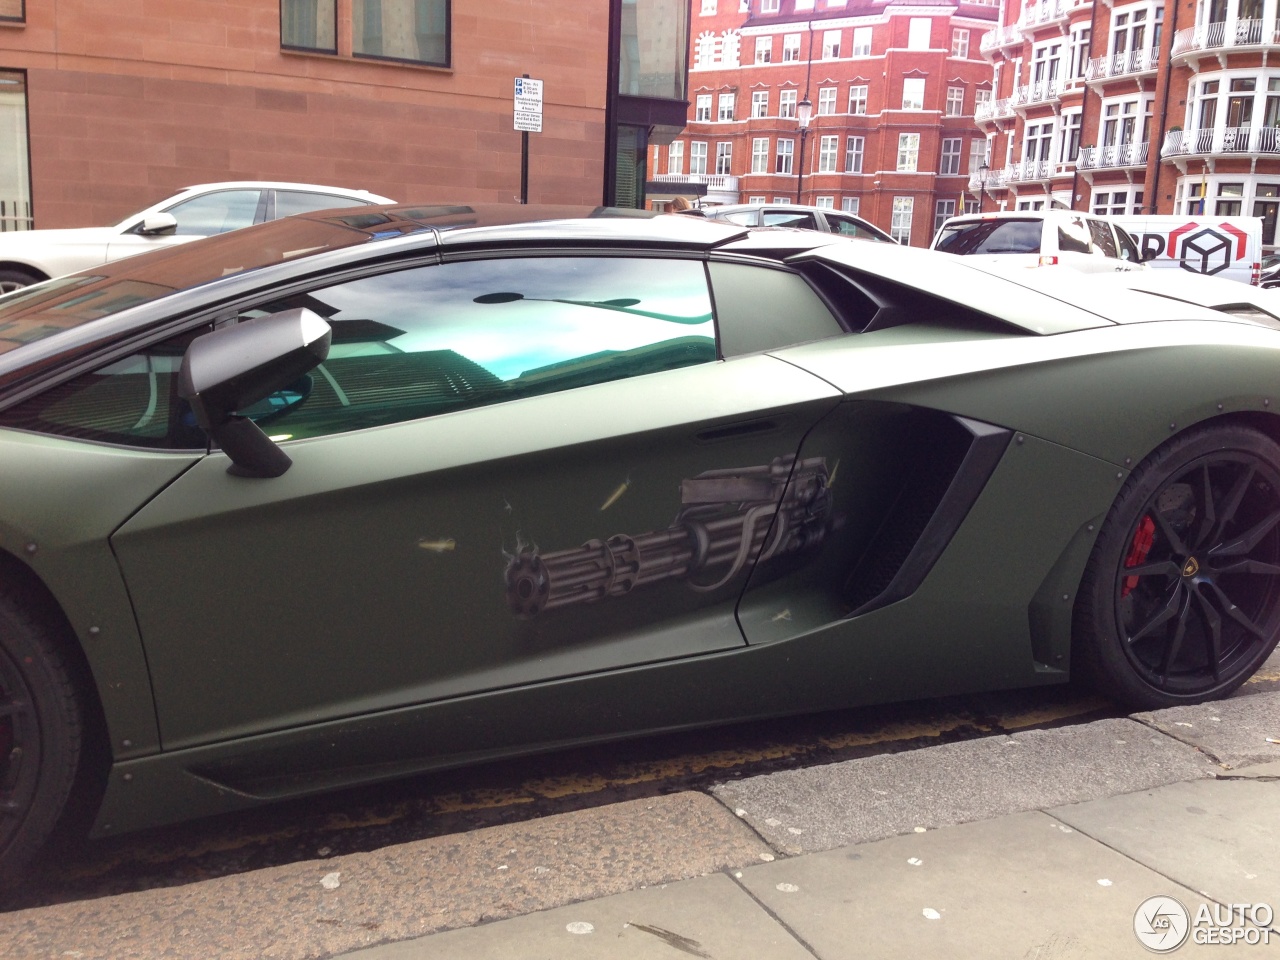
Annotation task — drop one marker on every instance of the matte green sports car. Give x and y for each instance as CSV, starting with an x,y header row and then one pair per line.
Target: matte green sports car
x,y
347,496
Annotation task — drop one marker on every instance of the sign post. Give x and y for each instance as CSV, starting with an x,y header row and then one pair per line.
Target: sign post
x,y
528,119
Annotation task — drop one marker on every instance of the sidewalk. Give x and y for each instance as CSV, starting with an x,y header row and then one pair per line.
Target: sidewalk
x,y
1038,845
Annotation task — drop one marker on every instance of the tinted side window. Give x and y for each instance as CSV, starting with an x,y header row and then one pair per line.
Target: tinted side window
x,y
851,228
992,236
1073,236
761,308
132,402
1103,240
1128,249
431,340
216,212
783,218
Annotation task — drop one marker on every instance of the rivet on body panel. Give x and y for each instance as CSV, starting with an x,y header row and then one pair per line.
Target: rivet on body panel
x,y
31,548
95,631
126,743
127,777
1020,438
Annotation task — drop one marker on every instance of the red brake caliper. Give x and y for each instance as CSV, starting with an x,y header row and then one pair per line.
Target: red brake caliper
x,y
1143,537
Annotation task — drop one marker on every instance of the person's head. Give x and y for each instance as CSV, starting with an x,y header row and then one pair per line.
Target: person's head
x,y
679,203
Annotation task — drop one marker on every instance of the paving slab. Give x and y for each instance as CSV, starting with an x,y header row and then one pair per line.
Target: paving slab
x,y
319,908
823,807
1221,838
709,917
1017,887
1233,732
1258,770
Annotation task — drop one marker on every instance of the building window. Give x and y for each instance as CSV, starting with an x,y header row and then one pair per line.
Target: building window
x,y
787,104
981,98
304,24
828,147
972,206
853,149
955,101
977,155
1078,51
851,205
830,44
760,155
781,200
708,8
707,55
908,152
675,157
1230,200
760,103
826,101
918,33
764,49
913,93
790,47
943,211
15,182
858,100
825,203
950,156
724,157
724,107
900,227
960,43
757,199
1070,136
785,150
862,41
769,6
415,30
702,108
1116,203
1037,138
698,158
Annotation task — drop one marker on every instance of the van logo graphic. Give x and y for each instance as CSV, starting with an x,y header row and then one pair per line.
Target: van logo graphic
x,y
1206,250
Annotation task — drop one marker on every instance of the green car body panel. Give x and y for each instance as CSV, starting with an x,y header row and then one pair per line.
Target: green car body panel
x,y
447,589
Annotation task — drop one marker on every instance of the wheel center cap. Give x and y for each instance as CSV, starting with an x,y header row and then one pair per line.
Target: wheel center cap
x,y
1191,567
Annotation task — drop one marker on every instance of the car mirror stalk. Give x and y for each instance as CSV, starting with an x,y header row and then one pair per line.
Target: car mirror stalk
x,y
231,369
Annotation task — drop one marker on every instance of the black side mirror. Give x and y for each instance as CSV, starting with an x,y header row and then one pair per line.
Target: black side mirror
x,y
235,367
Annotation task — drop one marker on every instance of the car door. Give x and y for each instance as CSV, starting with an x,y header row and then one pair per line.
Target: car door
x,y
508,470
202,216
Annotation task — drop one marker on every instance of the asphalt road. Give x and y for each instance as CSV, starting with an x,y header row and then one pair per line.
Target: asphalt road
x,y
515,792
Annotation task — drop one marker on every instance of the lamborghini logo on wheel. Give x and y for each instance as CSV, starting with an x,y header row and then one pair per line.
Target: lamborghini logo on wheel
x,y
1191,567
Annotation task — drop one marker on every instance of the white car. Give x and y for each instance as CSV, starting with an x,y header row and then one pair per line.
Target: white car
x,y
1040,238
29,256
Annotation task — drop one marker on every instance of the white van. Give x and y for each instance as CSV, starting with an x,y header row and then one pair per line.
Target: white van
x,y
1226,247
1040,238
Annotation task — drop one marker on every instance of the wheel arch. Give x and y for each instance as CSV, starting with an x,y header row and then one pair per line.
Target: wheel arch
x,y
26,268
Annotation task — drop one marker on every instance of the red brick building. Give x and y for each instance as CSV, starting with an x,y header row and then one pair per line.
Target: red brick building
x,y
893,86
1135,107
107,107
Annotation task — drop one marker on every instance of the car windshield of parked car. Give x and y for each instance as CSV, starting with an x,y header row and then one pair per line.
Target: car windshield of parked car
x,y
991,236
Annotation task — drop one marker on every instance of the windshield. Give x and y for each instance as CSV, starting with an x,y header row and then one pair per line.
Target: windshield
x,y
991,236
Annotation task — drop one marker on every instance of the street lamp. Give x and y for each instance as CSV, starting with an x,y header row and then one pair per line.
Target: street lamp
x,y
983,172
804,113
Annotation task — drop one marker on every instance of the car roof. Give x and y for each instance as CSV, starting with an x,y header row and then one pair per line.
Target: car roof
x,y
273,185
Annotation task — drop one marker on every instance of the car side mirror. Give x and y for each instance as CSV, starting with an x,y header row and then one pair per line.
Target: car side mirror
x,y
155,224
233,368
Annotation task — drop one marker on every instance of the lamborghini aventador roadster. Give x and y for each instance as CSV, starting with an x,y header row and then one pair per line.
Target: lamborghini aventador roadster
x,y
347,496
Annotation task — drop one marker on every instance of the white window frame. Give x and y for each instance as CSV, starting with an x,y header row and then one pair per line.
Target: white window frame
x,y
769,6
759,103
708,8
943,210
724,107
854,151
698,158
826,101
764,49
831,44
900,226
790,47
787,103
675,157
784,156
724,158
858,100
828,149
913,90
955,102
825,203
960,43
861,41
949,165
702,108
918,33
759,154
908,153
851,205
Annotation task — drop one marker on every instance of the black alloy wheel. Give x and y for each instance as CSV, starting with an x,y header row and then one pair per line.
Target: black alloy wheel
x,y
40,736
1181,599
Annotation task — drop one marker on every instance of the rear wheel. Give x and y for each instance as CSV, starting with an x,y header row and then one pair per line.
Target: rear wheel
x,y
11,280
40,735
1181,598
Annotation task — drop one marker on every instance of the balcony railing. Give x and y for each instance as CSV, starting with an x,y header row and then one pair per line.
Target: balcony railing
x,y
1132,63
1046,11
993,110
1034,170
1006,36
1219,36
1182,143
1042,91
994,180
714,181
1115,155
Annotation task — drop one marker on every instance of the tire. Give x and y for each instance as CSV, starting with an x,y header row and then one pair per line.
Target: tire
x,y
1180,600
11,280
40,735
